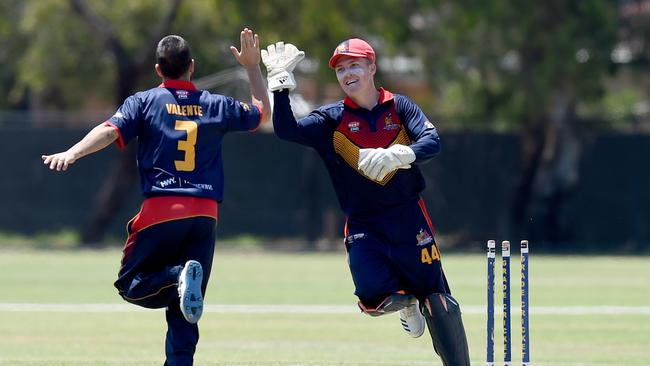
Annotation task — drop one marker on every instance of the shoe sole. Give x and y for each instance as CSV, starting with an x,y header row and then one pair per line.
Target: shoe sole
x,y
190,291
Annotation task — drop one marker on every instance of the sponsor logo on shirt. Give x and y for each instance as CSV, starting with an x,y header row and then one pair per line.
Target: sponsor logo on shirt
x,y
182,94
245,106
423,238
351,238
353,126
165,179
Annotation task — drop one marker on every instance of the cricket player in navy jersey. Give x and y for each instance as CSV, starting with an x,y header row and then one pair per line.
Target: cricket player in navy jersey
x,y
372,143
168,254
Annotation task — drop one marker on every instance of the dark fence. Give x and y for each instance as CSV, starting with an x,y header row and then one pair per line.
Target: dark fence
x,y
276,189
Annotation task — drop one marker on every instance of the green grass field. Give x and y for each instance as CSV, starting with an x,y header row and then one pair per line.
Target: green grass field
x,y
585,311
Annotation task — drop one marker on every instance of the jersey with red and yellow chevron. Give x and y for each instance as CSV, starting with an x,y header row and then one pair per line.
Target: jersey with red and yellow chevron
x,y
354,133
338,131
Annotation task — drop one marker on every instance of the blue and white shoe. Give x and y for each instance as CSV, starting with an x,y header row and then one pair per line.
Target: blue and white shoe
x,y
189,290
412,320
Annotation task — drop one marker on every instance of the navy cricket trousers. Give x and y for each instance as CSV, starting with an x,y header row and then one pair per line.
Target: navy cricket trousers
x,y
394,252
152,261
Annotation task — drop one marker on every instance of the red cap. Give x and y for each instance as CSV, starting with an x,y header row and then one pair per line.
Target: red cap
x,y
353,47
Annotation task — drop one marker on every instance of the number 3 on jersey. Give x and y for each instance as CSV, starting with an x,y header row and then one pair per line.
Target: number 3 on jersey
x,y
187,145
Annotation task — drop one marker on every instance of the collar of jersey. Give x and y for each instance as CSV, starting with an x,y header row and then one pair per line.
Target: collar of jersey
x,y
384,96
178,84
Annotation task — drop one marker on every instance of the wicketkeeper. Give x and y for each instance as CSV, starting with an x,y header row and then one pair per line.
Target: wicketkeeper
x,y
372,143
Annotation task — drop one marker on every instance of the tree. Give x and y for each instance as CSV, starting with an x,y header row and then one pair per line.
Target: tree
x,y
494,66
526,66
123,174
316,29
12,42
90,52
86,49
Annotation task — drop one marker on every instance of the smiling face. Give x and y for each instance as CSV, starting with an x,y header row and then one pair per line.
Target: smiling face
x,y
355,75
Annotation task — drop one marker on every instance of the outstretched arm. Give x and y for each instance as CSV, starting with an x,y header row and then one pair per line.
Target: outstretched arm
x,y
284,122
249,58
313,130
97,139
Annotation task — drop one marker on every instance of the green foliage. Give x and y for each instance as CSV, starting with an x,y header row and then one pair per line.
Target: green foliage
x,y
618,107
498,62
318,29
65,64
209,29
523,53
12,42
60,61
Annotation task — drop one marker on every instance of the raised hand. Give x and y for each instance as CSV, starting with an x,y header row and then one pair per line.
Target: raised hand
x,y
280,59
249,56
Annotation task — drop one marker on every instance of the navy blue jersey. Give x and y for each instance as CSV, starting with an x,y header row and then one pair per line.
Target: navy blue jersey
x,y
179,131
337,131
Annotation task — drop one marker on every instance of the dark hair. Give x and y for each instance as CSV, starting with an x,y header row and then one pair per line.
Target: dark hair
x,y
173,56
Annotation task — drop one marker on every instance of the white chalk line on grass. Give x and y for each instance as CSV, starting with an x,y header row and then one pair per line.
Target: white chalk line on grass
x,y
314,309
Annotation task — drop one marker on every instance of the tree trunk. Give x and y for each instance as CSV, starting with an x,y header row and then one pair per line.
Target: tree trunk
x,y
112,196
550,161
122,177
121,181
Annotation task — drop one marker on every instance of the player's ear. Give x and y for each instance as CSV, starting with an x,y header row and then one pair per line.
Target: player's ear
x,y
191,69
158,71
373,68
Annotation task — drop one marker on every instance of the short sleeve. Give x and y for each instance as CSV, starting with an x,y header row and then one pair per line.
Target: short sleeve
x,y
126,120
241,116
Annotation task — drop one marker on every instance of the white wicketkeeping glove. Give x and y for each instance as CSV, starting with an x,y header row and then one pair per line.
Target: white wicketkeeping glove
x,y
280,59
377,163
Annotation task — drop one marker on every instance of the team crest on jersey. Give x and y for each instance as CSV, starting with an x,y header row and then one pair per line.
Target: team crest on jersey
x,y
182,94
353,126
423,238
389,124
245,106
428,125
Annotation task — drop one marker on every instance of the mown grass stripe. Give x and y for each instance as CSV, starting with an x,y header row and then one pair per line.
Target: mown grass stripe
x,y
312,309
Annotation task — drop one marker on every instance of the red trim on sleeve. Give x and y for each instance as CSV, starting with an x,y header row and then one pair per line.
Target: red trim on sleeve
x,y
259,123
120,141
156,210
178,84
